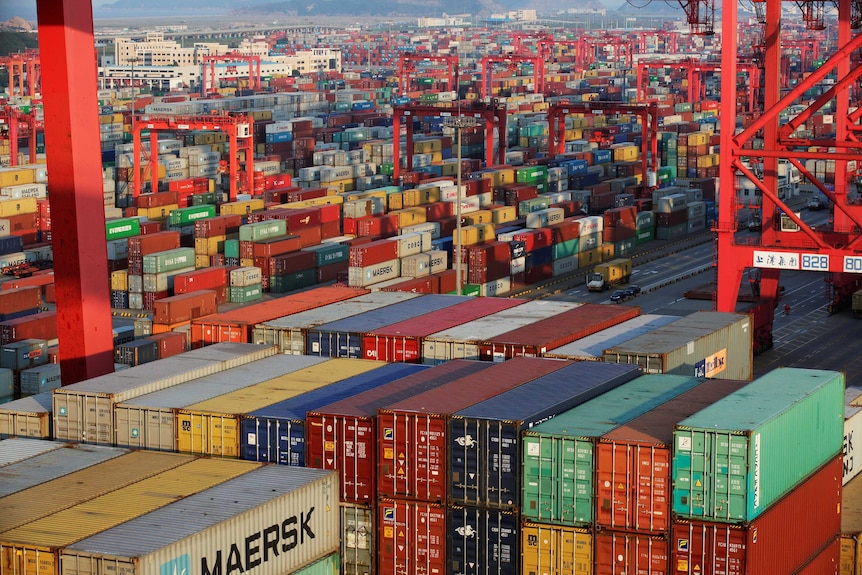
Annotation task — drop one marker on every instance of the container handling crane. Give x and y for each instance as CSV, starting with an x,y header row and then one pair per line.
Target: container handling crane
x,y
407,65
18,124
209,82
512,61
25,72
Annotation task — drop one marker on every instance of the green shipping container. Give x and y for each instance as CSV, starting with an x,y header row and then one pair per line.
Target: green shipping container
x,y
122,228
645,235
292,281
533,205
262,230
469,289
245,294
558,455
671,232
169,260
531,174
624,247
185,216
204,199
231,248
735,458
329,565
566,249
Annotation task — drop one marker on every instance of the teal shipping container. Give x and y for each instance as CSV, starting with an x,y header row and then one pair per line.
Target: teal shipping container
x,y
559,454
329,565
565,249
735,458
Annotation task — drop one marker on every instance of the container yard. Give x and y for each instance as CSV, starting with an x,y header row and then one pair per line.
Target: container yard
x,y
387,299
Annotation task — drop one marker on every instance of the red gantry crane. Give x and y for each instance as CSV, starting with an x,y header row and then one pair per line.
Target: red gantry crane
x,y
209,81
19,125
407,65
25,73
512,62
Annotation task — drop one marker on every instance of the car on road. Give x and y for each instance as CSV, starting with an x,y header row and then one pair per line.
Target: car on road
x,y
815,204
618,296
632,290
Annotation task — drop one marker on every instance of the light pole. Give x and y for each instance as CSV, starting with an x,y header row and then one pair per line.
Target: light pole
x,y
458,123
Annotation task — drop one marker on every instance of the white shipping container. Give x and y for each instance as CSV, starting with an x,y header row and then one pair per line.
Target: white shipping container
x,y
431,227
171,145
291,511
485,200
439,261
671,203
40,379
544,218
203,171
362,277
268,168
852,430
411,244
26,417
136,301
589,242
13,258
496,287
416,266
136,283
565,265
518,265
247,276
172,163
35,190
84,411
201,158
591,225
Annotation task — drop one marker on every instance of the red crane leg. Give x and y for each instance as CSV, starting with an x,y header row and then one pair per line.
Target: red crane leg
x,y
77,210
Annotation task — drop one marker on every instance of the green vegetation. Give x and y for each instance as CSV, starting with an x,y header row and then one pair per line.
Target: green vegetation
x,y
14,42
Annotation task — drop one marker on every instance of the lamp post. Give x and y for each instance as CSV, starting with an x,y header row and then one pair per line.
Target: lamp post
x,y
458,123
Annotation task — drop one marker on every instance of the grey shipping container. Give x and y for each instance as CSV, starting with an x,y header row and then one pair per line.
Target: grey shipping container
x,y
40,379
357,539
485,438
27,417
590,348
18,449
24,354
137,352
272,520
84,411
703,344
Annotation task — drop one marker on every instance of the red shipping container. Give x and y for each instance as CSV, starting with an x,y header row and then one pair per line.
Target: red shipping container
x,y
14,299
411,537
535,239
295,219
437,211
329,273
39,326
148,228
402,341
633,462
202,279
277,181
37,280
185,307
22,222
330,230
780,541
414,285
236,325
151,297
382,226
310,236
218,226
448,281
49,293
373,253
619,552
625,215
539,273
272,247
184,185
567,230
343,435
170,343
413,433
140,246
827,562
488,262
618,233
292,262
550,333
157,199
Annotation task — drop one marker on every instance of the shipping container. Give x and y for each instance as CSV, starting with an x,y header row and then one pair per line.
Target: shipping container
x,y
411,537
185,307
484,439
851,527
276,433
358,539
290,511
482,541
14,450
735,458
559,457
329,565
402,341
537,339
41,379
149,421
780,541
632,462
462,341
27,417
590,348
343,338
343,435
84,411
852,424
289,333
703,344
212,426
618,552
412,434
556,550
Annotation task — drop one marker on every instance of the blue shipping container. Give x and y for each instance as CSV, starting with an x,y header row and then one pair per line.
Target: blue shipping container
x,y
11,244
540,257
482,541
278,137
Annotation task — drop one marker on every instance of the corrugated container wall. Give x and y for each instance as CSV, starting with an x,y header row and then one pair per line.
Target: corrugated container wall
x,y
590,348
27,417
411,537
482,541
852,431
17,449
555,550
851,528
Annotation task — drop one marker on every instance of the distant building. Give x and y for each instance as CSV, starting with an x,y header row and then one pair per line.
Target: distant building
x,y
446,20
515,16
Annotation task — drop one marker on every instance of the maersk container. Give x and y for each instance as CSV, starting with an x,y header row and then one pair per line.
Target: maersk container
x,y
358,539
276,433
590,348
851,528
150,421
784,538
482,541
84,411
559,454
343,338
411,537
27,417
288,333
343,435
34,547
41,379
212,427
412,458
484,439
633,476
402,341
283,519
462,341
537,339
556,550
852,425
14,450
621,552
735,458
702,344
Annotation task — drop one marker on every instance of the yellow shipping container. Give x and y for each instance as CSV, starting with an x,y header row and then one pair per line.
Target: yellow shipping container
x,y
158,212
697,139
626,153
500,177
120,280
573,134
475,234
449,168
681,151
607,251
436,157
202,261
410,216
246,262
209,246
325,200
261,115
480,217
16,206
211,427
556,550
395,201
10,176
504,214
589,257
241,208
429,195
33,548
349,197
706,161
342,186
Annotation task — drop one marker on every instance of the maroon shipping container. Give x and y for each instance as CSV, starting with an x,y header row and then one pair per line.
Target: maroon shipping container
x,y
205,278
330,272
140,246
295,219
448,281
488,262
310,236
343,435
618,233
620,216
36,326
412,434
170,343
292,262
185,307
275,246
539,273
373,253
535,239
218,226
567,230
618,552
827,562
780,541
667,219
330,230
148,228
156,200
437,211
550,333
382,226
151,297
402,341
411,537
415,285
633,462
19,299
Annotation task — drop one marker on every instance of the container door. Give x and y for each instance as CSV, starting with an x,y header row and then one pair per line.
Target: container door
x,y
294,435
503,466
692,458
466,443
357,540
